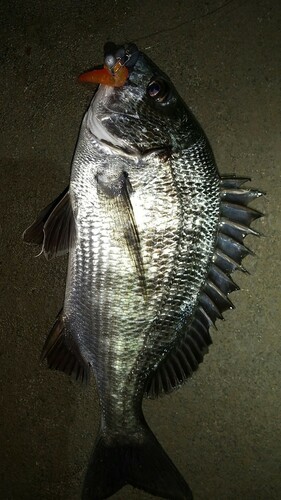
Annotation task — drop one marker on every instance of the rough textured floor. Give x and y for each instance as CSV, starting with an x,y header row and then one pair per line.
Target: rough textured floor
x,y
222,429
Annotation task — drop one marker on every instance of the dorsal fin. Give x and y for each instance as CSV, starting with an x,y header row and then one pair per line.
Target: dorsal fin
x,y
213,300
54,227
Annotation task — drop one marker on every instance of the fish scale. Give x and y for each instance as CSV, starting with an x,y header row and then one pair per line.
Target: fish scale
x,y
153,234
100,244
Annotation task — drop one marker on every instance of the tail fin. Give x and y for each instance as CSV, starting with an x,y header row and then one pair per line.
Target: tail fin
x,y
144,465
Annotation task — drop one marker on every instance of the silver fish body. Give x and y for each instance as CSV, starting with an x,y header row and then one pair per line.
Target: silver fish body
x,y
126,324
153,233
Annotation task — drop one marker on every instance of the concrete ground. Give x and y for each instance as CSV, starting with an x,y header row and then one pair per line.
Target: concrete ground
x,y
222,429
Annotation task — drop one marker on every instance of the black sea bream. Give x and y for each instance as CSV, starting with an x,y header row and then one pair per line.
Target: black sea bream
x,y
153,234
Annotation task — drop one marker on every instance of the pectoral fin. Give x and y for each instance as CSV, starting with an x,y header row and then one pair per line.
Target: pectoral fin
x,y
119,195
54,227
127,217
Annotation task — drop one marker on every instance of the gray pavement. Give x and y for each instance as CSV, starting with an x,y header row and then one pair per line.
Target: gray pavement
x,y
222,429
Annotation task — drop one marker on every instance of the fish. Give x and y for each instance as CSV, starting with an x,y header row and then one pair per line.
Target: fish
x,y
153,233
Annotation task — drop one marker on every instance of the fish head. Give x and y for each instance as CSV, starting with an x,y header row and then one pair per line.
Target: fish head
x,y
139,111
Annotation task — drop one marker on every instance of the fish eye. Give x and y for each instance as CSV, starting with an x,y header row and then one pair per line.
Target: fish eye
x,y
158,89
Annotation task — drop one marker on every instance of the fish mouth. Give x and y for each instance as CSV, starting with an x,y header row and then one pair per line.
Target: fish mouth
x,y
102,119
118,62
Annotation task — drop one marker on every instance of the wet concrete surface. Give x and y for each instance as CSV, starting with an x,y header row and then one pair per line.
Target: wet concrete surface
x,y
222,429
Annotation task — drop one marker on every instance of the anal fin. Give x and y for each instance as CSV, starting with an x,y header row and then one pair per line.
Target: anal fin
x,y
62,353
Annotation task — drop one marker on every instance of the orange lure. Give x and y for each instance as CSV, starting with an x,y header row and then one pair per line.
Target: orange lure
x,y
116,78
